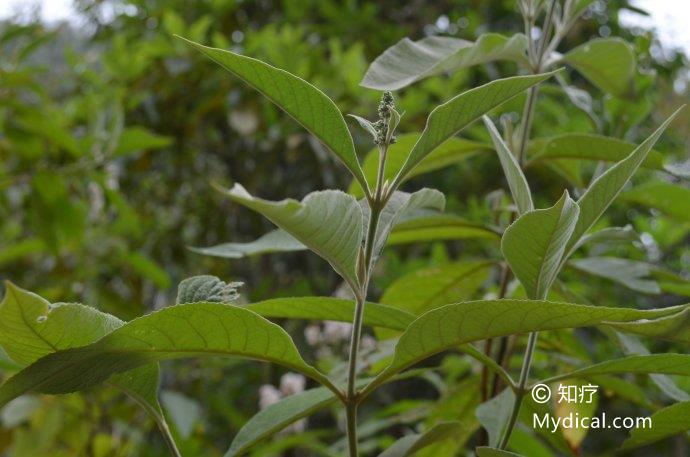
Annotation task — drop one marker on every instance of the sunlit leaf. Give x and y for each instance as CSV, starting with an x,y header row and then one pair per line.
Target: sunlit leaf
x,y
446,120
608,63
424,289
191,330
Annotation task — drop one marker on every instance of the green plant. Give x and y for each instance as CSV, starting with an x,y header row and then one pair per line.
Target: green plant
x,y
350,234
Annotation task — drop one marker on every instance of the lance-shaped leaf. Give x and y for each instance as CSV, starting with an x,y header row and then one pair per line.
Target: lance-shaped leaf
x,y
666,422
301,100
517,182
608,63
452,325
631,273
437,226
603,190
494,414
453,151
427,288
328,222
671,199
278,416
632,345
611,235
411,444
273,241
31,327
332,309
674,327
669,364
588,146
446,120
191,330
408,61
534,244
485,451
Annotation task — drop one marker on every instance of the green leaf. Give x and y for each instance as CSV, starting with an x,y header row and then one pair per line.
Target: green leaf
x,y
671,199
666,422
674,327
631,345
494,414
408,61
425,289
610,235
446,120
534,244
31,328
517,182
184,412
608,63
411,444
484,451
588,146
603,190
632,274
453,151
332,309
191,330
136,139
328,222
670,364
452,325
301,100
437,227
399,205
273,241
278,416
206,288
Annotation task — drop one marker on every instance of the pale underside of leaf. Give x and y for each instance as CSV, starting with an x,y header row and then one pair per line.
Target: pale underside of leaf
x,y
328,222
534,244
519,188
408,61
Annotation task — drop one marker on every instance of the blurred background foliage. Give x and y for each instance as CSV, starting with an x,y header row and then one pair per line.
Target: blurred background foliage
x,y
111,131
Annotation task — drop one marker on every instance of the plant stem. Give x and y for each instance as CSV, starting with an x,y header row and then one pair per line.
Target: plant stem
x,y
530,105
376,205
520,394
